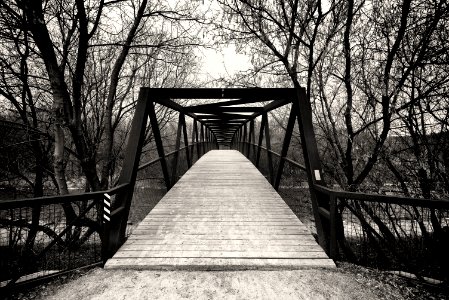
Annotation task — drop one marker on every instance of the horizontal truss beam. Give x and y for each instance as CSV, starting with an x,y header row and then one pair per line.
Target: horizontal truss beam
x,y
261,94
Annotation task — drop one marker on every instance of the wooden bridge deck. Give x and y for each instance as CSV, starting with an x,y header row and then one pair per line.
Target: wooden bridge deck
x,y
221,215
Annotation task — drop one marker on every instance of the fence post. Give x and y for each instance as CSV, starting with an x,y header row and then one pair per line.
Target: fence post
x,y
333,248
105,205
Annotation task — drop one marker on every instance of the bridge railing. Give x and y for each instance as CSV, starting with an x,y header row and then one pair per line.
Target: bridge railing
x,y
389,232
48,236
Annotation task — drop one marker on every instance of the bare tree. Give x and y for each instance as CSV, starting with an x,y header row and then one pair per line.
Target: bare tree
x,y
68,39
355,58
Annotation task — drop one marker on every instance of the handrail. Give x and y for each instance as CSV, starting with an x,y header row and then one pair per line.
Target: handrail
x,y
16,203
84,226
151,162
289,160
408,235
147,164
430,203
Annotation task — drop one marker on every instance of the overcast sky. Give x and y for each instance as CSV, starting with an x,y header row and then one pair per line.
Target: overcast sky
x,y
222,62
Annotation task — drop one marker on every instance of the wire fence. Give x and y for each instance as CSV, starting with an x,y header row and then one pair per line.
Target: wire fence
x,y
399,237
39,238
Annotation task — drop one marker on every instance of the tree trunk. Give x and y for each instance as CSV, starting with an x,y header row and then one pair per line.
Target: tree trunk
x,y
109,128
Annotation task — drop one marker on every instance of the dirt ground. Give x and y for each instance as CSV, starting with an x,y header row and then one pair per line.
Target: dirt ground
x,y
296,284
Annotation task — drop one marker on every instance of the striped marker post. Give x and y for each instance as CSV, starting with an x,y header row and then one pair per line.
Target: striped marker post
x,y
106,207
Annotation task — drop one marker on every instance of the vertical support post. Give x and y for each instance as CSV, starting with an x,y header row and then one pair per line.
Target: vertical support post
x,y
174,169
237,139
250,135
253,138
106,228
313,165
234,137
202,139
268,146
286,144
240,139
186,140
244,140
259,144
239,133
159,145
195,128
207,139
115,236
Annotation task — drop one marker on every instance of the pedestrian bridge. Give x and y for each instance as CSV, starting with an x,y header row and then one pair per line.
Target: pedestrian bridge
x,y
222,214
219,211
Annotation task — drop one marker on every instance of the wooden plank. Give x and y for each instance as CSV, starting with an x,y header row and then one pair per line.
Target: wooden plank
x,y
220,231
253,253
234,236
226,222
222,247
222,214
304,240
216,264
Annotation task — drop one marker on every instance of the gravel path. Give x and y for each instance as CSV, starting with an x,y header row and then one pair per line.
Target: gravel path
x,y
297,284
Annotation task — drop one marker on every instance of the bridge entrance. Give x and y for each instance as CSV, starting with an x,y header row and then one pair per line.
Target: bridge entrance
x,y
226,121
